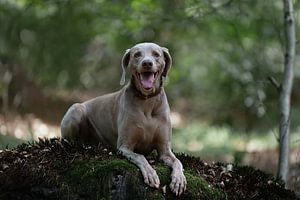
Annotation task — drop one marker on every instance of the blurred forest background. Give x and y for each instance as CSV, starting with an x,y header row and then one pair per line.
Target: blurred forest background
x,y
57,52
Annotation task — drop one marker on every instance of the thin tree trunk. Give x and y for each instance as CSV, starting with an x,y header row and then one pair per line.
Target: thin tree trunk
x,y
285,90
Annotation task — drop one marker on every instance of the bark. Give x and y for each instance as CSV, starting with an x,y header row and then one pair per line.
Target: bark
x,y
285,90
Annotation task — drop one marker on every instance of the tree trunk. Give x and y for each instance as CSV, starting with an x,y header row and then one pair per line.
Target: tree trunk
x,y
285,90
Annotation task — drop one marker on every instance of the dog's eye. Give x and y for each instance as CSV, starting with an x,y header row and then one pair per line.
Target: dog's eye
x,y
137,54
155,54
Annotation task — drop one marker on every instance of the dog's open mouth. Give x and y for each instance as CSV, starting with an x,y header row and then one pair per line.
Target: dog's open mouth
x,y
147,79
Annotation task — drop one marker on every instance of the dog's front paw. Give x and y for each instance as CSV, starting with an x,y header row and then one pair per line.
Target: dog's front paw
x,y
178,183
151,177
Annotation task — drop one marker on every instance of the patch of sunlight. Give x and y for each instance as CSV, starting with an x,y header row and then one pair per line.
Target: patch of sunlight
x,y
216,136
17,3
28,127
200,138
196,137
255,145
176,119
19,133
195,145
41,129
239,143
3,129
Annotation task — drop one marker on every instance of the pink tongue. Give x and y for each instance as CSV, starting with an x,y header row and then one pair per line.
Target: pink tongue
x,y
147,80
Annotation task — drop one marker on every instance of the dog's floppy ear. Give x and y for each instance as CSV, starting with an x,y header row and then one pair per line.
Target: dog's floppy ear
x,y
168,61
125,62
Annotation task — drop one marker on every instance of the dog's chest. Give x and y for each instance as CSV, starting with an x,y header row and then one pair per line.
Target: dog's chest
x,y
149,129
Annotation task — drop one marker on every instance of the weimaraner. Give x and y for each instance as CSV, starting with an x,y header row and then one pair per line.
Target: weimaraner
x,y
134,120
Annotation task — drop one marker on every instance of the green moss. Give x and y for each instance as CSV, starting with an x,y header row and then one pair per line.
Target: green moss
x,y
197,188
164,174
96,179
98,169
85,179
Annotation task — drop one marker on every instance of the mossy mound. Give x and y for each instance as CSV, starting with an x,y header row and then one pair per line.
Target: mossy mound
x,y
55,169
119,179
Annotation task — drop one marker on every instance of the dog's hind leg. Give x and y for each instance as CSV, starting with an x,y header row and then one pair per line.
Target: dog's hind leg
x,y
73,122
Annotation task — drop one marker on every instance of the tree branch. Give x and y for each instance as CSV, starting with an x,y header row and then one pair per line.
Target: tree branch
x,y
275,83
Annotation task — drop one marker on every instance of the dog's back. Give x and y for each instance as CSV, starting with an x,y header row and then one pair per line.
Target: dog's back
x,y
134,120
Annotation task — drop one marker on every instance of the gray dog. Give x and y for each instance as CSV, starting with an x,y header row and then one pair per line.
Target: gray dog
x,y
134,120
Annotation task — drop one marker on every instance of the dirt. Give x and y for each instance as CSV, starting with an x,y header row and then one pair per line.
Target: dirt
x,y
44,163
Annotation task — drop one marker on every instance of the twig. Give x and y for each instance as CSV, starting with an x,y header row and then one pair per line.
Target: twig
x,y
275,83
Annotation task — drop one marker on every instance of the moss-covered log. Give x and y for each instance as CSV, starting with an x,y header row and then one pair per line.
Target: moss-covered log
x,y
54,169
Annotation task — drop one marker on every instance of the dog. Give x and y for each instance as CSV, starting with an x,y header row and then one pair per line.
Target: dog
x,y
134,120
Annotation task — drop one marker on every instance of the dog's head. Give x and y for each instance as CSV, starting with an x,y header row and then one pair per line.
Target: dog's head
x,y
149,64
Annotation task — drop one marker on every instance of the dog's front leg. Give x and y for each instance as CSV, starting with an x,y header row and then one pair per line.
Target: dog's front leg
x,y
178,182
149,174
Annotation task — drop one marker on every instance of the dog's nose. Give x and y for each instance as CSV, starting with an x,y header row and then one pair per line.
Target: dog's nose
x,y
147,64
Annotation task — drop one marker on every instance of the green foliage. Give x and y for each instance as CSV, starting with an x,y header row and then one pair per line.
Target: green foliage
x,y
223,51
223,142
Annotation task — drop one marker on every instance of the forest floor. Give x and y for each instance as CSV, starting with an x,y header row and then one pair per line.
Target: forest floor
x,y
45,162
19,129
